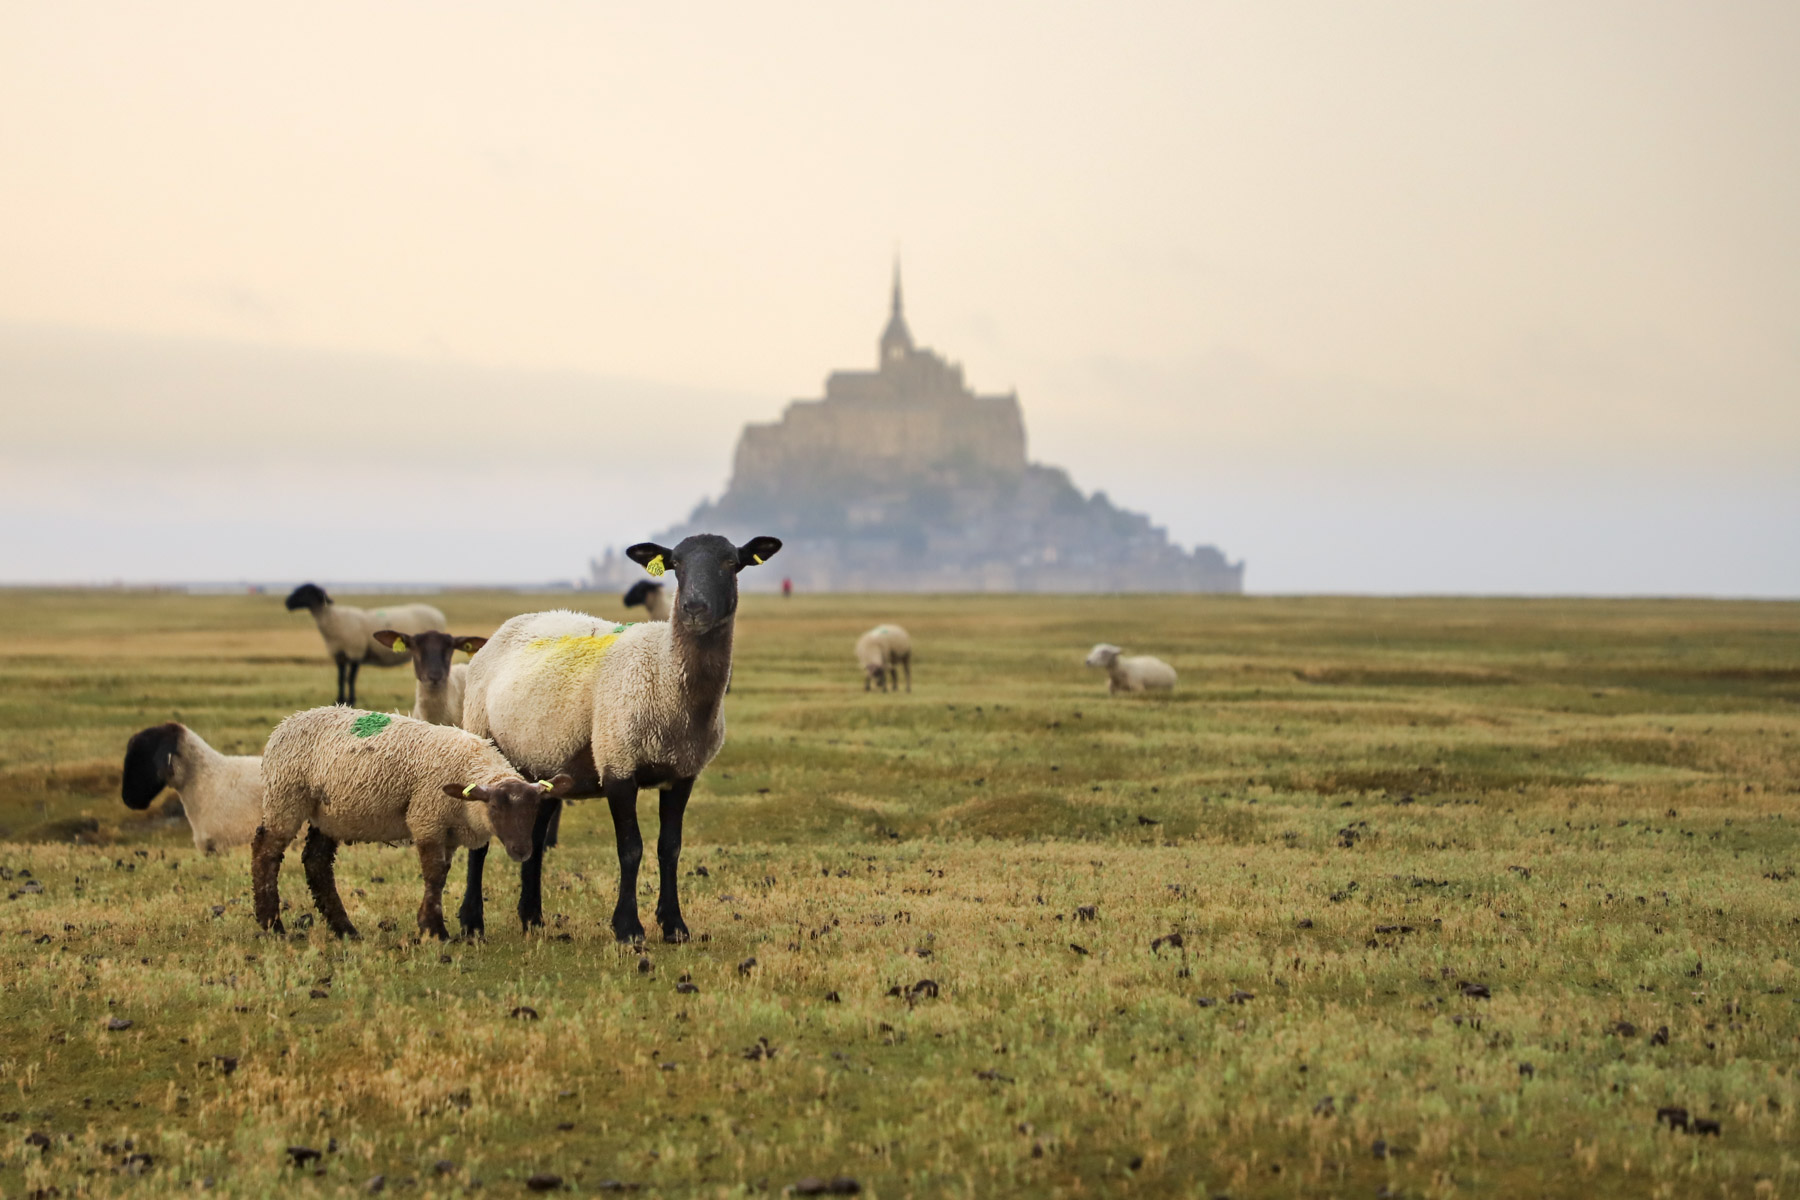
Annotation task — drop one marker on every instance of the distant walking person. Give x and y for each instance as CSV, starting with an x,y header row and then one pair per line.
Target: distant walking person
x,y
787,588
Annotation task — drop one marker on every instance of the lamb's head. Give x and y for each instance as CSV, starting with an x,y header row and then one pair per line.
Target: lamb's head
x,y
639,595
149,762
512,807
1104,655
706,567
309,596
431,651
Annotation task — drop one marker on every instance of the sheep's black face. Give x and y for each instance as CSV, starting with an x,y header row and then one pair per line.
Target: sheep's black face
x,y
148,756
640,593
706,567
512,808
307,595
431,651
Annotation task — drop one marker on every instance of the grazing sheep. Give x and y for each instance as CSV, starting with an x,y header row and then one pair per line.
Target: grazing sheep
x,y
438,697
220,793
349,633
619,708
1139,673
370,777
882,652
651,596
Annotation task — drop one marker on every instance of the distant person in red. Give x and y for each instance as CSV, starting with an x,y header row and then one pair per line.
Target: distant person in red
x,y
787,587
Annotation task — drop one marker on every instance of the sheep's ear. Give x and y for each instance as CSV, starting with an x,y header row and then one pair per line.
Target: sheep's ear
x,y
650,556
470,644
562,785
393,639
758,550
472,792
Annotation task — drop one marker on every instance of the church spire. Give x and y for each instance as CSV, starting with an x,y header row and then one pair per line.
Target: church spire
x,y
896,339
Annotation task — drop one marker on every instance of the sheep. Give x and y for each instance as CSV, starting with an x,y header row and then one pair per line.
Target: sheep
x,y
619,708
1139,673
882,651
349,632
371,777
220,793
651,596
438,697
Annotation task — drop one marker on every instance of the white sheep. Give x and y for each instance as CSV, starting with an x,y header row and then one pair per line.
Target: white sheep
x,y
653,598
220,793
619,708
372,777
1138,673
349,632
438,691
882,651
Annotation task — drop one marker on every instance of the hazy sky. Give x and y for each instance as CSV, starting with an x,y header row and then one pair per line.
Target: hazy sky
x,y
1390,297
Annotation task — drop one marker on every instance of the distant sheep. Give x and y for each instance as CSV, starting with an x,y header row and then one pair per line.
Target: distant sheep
x,y
220,793
651,596
619,707
370,777
1138,673
882,652
349,633
438,694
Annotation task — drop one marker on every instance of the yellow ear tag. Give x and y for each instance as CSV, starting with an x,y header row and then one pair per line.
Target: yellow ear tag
x,y
546,784
467,790
399,643
655,565
757,559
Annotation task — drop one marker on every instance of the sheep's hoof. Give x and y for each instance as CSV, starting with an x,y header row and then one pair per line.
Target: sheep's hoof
x,y
348,933
676,932
631,930
472,933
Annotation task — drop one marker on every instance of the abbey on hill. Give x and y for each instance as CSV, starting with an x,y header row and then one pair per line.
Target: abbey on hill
x,y
905,479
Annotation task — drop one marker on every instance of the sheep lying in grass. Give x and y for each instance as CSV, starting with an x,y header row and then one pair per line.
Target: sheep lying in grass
x,y
220,793
1138,673
882,652
349,632
370,777
651,596
438,694
618,707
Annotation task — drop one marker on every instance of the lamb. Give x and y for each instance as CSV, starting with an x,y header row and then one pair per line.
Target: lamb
x,y
651,595
371,777
438,696
1138,673
619,708
221,794
882,651
349,633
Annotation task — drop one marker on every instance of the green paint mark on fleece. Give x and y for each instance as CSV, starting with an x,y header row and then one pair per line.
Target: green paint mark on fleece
x,y
370,724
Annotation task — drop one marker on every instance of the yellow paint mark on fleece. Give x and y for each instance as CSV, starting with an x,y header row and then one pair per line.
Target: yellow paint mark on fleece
x,y
574,654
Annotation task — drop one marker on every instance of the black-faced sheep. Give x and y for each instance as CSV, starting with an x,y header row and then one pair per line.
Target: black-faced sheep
x,y
220,793
438,694
651,596
371,777
882,652
619,708
349,632
1137,673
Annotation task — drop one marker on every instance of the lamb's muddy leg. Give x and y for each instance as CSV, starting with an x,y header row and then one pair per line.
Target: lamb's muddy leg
x,y
470,915
670,810
434,862
266,849
321,879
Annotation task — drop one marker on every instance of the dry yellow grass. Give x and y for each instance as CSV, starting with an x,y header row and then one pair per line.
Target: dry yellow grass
x,y
1349,811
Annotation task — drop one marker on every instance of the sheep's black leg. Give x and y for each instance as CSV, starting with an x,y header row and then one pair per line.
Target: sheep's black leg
x,y
354,668
265,873
321,880
434,864
470,914
531,871
621,798
343,666
907,663
669,811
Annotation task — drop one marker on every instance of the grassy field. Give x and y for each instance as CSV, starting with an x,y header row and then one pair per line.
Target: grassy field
x,y
1467,891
